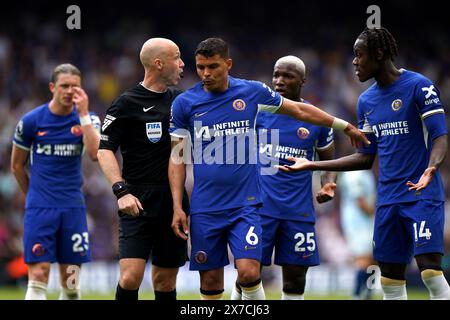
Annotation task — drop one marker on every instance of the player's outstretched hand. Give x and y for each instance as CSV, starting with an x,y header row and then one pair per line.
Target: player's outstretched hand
x,y
130,205
424,180
326,193
81,100
299,165
180,224
357,138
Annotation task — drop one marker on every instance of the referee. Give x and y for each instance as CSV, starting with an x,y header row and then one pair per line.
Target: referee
x,y
138,123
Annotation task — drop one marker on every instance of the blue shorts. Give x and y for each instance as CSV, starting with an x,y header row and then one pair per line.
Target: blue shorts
x,y
211,233
408,229
294,242
56,235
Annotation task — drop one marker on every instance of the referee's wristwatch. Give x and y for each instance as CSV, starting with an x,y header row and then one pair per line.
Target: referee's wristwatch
x,y
120,189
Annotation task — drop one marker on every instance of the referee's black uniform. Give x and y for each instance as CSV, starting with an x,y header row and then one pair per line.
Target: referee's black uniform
x,y
138,123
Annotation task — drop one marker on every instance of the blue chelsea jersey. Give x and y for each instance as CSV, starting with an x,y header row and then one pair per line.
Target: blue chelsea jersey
x,y
221,128
288,195
56,146
403,119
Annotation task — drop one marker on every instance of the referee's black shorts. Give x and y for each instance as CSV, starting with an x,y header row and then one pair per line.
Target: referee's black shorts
x,y
150,234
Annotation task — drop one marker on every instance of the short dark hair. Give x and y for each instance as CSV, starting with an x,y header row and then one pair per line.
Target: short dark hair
x,y
380,38
213,46
64,68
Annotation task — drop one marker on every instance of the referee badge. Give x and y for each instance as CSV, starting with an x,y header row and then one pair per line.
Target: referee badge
x,y
154,131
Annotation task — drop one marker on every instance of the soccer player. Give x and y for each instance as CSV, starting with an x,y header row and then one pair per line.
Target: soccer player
x,y
226,196
358,193
138,123
405,121
287,212
55,229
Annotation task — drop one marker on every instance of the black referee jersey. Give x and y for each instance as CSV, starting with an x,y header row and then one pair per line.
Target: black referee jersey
x,y
138,123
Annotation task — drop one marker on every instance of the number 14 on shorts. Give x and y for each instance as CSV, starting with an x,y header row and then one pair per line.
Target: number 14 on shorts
x,y
423,232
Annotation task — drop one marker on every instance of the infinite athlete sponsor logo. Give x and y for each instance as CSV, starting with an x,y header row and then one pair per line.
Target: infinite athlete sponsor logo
x,y
232,142
396,104
239,104
62,150
281,152
391,128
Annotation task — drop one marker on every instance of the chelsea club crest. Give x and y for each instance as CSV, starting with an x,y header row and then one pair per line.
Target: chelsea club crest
x,y
154,131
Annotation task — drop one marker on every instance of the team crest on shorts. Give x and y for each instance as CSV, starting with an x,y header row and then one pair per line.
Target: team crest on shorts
x,y
154,131
76,130
201,257
38,250
396,104
239,104
303,133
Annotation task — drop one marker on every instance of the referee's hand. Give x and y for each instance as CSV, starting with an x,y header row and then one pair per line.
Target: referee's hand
x,y
130,205
180,224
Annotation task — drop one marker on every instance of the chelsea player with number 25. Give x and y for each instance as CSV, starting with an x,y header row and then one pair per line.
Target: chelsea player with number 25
x,y
219,113
402,115
54,137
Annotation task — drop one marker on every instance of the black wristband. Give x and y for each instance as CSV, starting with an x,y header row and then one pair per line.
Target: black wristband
x,y
120,189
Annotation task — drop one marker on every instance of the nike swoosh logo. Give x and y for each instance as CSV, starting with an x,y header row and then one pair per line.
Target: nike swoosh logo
x,y
41,133
198,115
146,109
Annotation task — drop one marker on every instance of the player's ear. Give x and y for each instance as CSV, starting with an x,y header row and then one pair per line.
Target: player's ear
x,y
302,82
158,63
51,86
229,62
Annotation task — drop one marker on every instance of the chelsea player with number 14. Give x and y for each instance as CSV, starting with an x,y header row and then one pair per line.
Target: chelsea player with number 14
x,y
402,115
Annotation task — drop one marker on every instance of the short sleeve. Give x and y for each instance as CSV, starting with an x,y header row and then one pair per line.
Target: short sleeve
x,y
268,100
179,120
112,128
427,98
24,133
325,138
364,127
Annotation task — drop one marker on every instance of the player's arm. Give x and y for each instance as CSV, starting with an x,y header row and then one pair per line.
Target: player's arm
x,y
309,113
126,202
427,99
356,161
365,206
328,178
19,159
177,178
91,136
437,156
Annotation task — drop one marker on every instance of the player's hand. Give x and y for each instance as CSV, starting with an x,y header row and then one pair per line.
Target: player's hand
x,y
180,224
81,100
130,205
424,180
299,165
357,138
326,193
